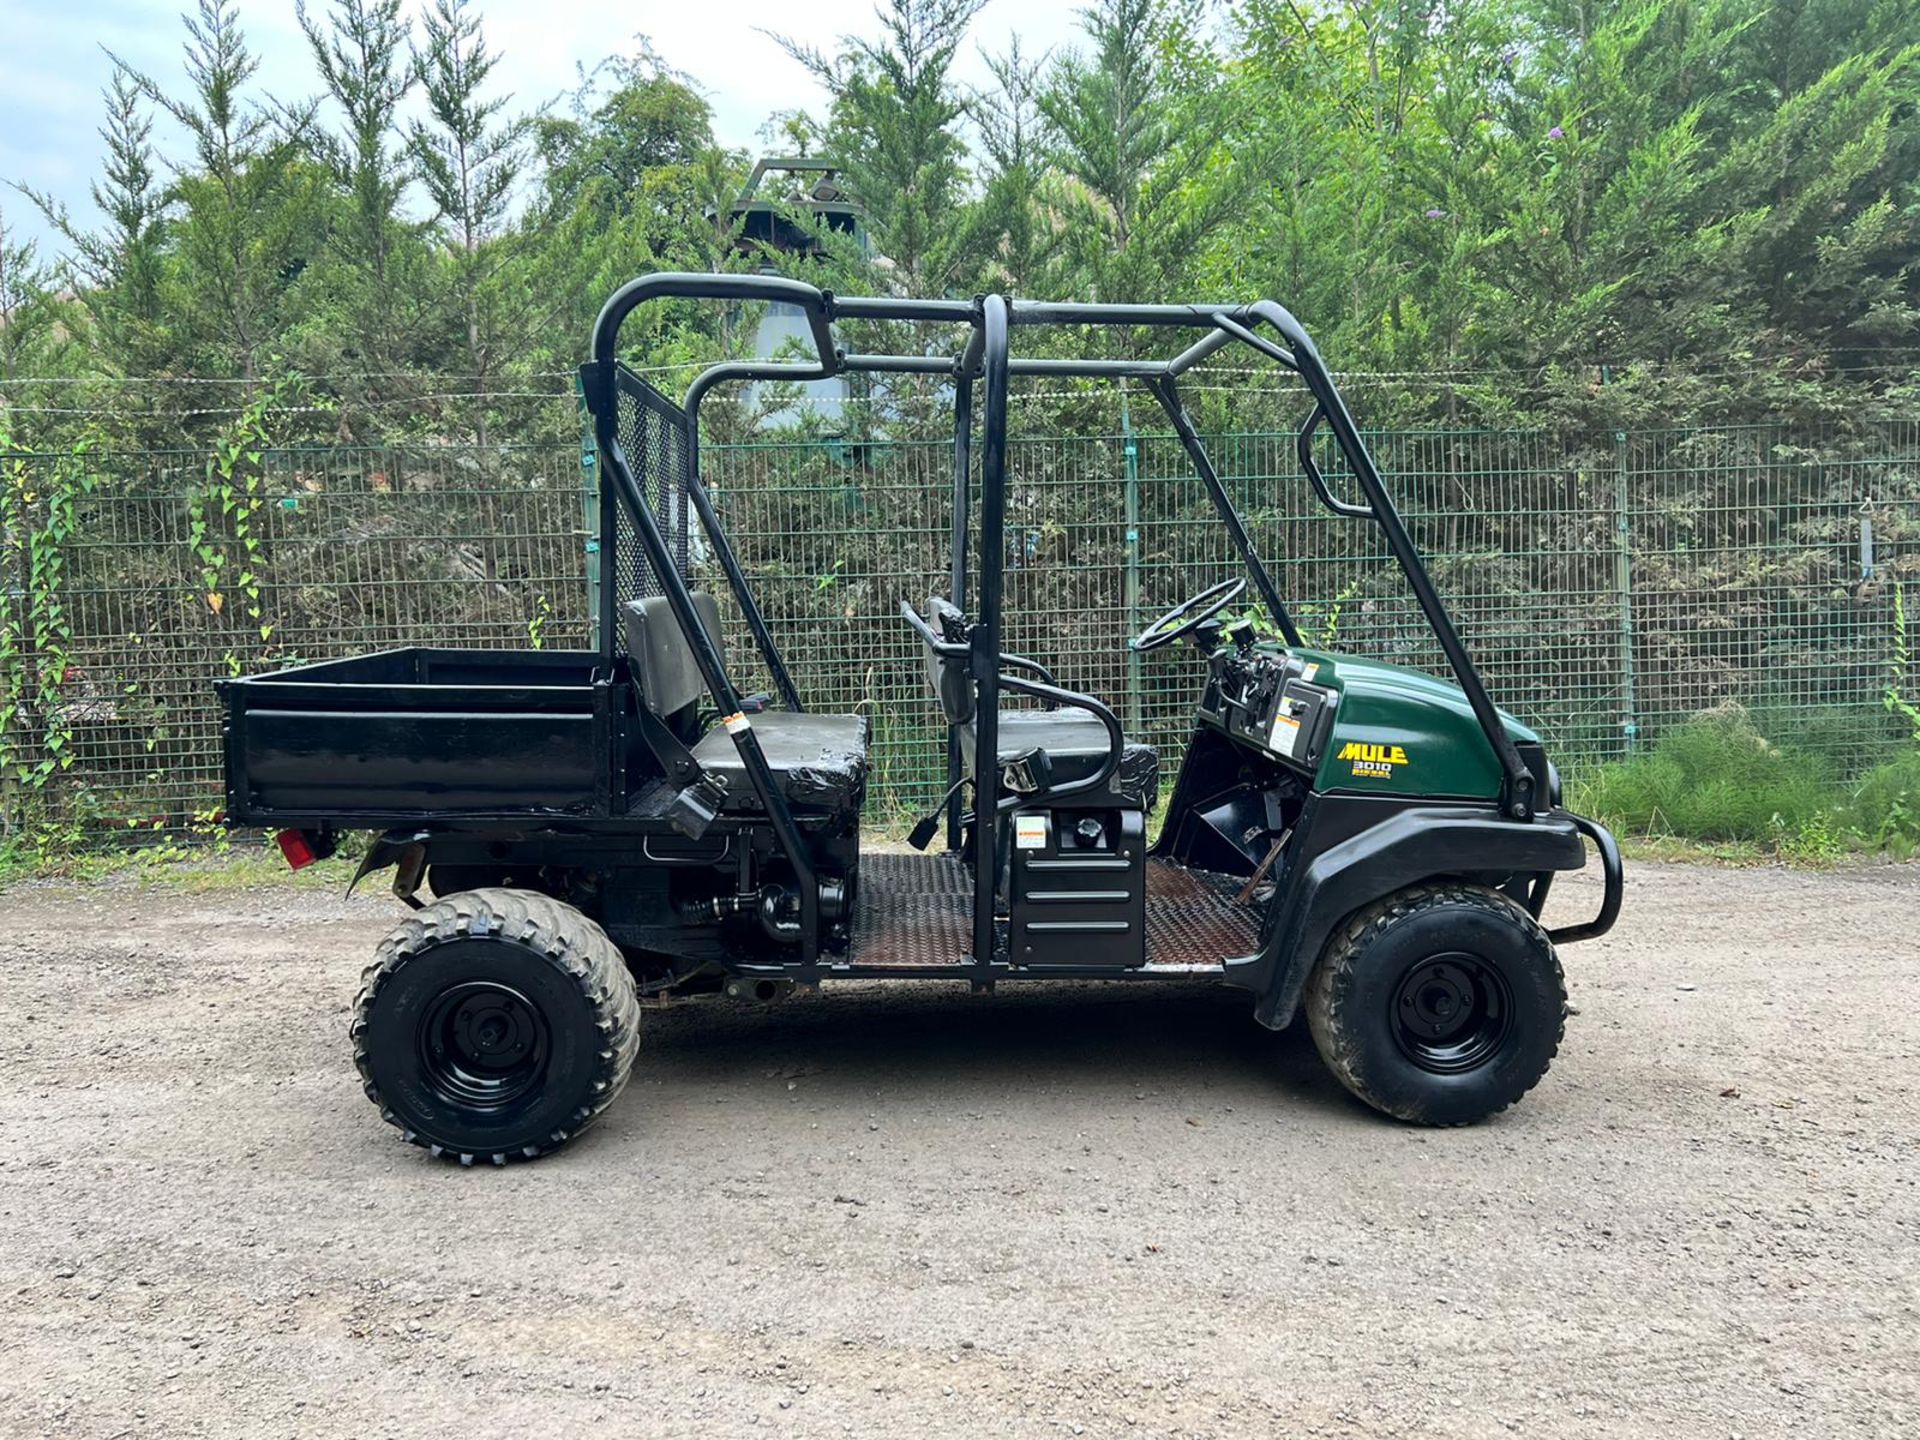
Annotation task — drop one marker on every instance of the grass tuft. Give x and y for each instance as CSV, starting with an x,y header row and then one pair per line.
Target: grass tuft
x,y
1715,778
1885,807
1719,780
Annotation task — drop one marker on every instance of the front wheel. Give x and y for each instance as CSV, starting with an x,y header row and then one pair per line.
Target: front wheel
x,y
1440,1004
496,1025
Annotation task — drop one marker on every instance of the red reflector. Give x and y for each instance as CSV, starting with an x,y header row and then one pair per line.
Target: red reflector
x,y
294,846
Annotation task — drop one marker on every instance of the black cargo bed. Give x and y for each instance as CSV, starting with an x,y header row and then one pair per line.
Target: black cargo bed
x,y
424,733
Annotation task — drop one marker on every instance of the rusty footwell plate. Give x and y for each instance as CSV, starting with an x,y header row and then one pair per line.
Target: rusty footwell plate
x,y
917,910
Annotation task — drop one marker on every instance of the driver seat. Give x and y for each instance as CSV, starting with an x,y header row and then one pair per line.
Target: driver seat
x,y
1075,741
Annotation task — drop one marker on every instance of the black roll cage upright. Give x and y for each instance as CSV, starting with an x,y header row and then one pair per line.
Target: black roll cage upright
x,y
986,357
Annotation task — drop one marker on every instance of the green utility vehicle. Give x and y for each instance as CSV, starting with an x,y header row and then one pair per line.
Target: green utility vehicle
x,y
1368,843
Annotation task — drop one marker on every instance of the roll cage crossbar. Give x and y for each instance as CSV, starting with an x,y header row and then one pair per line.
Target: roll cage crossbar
x,y
986,358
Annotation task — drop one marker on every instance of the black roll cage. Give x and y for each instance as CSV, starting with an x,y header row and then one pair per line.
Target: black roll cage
x,y
987,358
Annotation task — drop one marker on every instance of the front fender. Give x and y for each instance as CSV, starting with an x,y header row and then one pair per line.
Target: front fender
x,y
1421,842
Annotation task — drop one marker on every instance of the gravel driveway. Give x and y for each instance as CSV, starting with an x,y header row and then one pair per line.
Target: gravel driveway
x,y
1071,1210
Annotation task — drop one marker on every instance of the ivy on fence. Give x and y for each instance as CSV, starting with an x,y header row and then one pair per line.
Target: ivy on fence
x,y
221,529
36,733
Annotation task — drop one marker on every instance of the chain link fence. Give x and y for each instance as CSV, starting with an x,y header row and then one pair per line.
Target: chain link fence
x,y
1609,586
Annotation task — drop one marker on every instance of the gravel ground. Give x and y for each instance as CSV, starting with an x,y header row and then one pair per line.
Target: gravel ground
x,y
1067,1210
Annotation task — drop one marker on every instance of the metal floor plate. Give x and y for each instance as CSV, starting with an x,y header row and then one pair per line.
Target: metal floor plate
x,y
913,910
916,910
1194,916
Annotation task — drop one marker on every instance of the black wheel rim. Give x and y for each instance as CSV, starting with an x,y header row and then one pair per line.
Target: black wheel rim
x,y
1452,1013
483,1046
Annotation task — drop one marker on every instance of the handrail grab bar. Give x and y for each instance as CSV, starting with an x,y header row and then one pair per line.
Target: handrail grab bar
x,y
1516,797
1303,447
960,650
1072,700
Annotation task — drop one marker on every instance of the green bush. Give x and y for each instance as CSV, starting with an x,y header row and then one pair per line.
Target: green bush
x,y
1885,811
1842,737
1718,778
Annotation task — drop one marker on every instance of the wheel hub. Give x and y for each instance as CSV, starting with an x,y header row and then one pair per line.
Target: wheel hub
x,y
483,1045
1452,1013
493,1028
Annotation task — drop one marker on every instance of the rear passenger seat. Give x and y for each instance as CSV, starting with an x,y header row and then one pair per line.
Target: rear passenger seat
x,y
819,761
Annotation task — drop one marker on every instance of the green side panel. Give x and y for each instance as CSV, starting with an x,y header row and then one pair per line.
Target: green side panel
x,y
1403,732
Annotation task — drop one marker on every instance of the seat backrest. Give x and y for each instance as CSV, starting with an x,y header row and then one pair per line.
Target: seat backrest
x,y
950,676
658,655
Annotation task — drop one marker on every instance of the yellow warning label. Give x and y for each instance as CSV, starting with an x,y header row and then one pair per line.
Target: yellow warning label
x,y
1029,832
737,722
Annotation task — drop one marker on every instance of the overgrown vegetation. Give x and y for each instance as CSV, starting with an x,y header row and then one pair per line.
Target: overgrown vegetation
x,y
1715,778
1901,702
1719,778
1779,778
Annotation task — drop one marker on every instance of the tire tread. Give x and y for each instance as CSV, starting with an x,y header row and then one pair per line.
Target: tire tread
x,y
569,941
1333,977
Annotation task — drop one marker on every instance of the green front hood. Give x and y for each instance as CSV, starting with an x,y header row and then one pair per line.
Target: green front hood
x,y
1403,732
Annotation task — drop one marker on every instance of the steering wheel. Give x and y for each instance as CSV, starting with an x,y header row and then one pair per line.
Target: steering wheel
x,y
1189,615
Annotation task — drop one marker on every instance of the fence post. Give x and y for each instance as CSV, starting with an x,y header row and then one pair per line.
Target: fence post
x,y
1623,585
590,506
1130,451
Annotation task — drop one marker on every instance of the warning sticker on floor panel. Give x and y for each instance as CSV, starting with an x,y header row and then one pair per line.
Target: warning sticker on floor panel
x,y
1029,832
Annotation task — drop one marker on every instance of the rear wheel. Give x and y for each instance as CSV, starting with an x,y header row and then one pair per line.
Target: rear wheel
x,y
496,1025
1440,1004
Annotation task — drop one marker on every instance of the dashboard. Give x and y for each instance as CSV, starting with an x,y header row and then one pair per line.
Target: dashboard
x,y
1268,700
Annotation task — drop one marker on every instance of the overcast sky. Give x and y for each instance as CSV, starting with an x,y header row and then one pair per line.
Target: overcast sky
x,y
52,66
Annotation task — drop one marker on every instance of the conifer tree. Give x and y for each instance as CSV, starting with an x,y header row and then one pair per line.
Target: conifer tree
x,y
469,158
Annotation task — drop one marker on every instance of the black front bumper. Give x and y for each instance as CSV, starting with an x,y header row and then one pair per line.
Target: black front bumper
x,y
1611,872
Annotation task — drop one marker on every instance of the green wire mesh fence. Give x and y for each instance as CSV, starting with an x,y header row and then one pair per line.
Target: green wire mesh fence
x,y
1609,586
